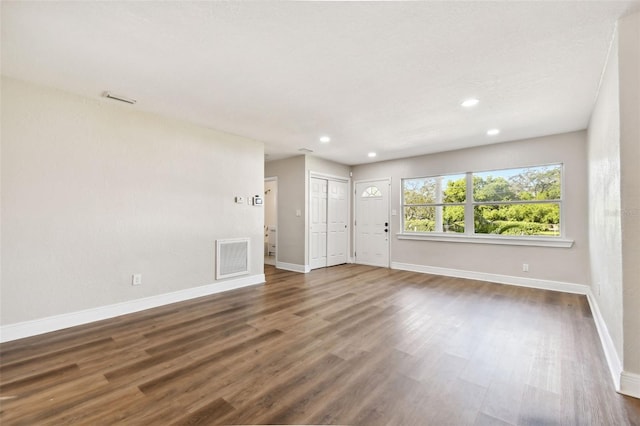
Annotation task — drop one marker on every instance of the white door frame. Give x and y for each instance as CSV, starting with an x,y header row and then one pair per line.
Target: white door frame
x,y
328,177
274,179
355,201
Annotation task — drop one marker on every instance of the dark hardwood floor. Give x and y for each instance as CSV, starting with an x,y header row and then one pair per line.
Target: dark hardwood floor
x,y
345,345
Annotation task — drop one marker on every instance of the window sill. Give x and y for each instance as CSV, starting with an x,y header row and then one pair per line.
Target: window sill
x,y
486,239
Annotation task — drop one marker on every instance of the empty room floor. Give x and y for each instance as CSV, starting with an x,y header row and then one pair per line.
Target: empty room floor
x,y
350,344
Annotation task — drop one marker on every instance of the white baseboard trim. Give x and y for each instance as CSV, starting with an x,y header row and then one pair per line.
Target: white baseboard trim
x,y
293,267
610,353
58,322
630,384
495,278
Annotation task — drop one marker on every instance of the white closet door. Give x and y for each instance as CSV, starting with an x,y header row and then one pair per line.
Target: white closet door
x,y
318,223
337,220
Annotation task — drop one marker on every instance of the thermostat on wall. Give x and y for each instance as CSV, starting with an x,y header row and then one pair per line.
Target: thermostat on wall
x,y
257,200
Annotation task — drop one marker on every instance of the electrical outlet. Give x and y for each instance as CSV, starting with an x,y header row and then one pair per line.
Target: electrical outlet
x,y
525,267
136,279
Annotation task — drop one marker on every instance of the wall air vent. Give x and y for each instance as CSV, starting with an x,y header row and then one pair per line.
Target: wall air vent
x,y
232,257
305,150
119,98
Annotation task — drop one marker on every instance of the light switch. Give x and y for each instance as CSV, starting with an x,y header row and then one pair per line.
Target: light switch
x,y
136,279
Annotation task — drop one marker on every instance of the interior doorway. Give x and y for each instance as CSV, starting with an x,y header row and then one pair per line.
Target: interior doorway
x,y
270,220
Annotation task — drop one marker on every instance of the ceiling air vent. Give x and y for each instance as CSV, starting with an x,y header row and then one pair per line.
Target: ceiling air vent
x,y
305,150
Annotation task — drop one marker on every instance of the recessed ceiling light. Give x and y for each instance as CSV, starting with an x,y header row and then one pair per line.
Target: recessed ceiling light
x,y
493,132
325,139
372,154
468,103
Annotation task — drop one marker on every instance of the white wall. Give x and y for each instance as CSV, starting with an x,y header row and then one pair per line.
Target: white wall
x,y
568,265
614,204
326,167
291,198
629,71
94,191
605,232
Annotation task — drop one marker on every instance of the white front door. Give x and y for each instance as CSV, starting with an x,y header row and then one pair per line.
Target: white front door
x,y
337,219
372,223
318,223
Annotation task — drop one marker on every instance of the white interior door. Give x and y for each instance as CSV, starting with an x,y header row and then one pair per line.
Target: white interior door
x,y
318,223
337,220
372,223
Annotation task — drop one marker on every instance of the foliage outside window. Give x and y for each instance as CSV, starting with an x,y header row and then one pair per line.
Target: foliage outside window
x,y
518,201
515,202
434,204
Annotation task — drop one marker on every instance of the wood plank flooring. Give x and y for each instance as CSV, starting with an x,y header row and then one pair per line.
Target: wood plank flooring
x,y
345,345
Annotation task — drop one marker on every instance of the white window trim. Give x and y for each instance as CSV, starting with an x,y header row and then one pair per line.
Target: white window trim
x,y
487,239
468,237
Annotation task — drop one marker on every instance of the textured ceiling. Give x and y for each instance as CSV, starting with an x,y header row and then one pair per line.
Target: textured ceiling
x,y
374,76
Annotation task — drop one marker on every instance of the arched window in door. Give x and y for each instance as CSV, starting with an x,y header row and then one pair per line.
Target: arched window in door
x,y
371,191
